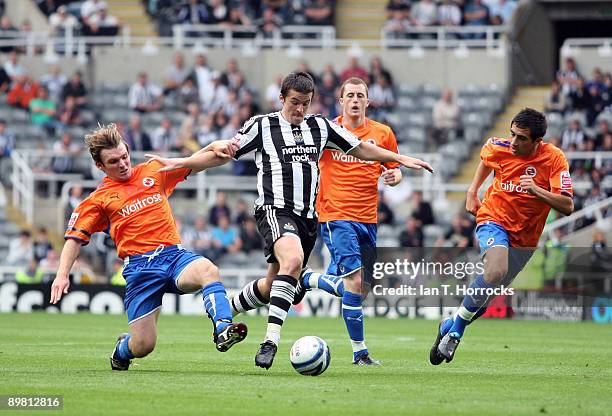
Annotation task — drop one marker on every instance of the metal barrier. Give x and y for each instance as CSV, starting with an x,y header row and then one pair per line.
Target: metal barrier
x,y
290,36
23,186
229,37
442,37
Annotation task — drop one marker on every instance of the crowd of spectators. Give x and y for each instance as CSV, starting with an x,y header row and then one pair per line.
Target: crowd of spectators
x,y
266,16
53,105
88,17
584,108
404,15
574,93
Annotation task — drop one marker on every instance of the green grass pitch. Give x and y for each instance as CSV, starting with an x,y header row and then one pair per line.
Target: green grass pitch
x,y
501,368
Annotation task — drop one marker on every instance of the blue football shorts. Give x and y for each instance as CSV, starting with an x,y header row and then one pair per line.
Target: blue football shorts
x,y
352,245
150,275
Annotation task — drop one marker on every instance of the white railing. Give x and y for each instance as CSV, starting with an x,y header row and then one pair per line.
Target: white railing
x,y
577,42
442,37
230,37
68,44
598,157
286,37
595,210
23,186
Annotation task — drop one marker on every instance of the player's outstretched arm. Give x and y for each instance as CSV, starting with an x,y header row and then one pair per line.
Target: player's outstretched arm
x,y
215,154
368,151
472,202
61,283
563,204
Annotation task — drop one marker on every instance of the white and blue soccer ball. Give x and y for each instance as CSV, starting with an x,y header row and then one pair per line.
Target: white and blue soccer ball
x,y
310,356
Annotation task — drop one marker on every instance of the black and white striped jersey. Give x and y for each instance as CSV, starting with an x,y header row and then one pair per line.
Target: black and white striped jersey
x,y
287,158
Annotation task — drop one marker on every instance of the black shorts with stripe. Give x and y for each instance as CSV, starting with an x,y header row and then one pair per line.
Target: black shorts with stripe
x,y
273,223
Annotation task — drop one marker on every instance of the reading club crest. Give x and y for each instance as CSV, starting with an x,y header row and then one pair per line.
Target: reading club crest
x,y
531,171
148,182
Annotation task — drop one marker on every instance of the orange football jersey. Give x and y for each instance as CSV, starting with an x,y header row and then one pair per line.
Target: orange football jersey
x,y
523,215
348,185
136,212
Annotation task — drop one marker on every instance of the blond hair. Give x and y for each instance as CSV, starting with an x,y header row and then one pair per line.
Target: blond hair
x,y
105,137
354,81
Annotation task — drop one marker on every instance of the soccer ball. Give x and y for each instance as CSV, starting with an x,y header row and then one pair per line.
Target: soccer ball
x,y
310,356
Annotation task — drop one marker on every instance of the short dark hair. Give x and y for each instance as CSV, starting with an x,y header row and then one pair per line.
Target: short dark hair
x,y
301,82
531,119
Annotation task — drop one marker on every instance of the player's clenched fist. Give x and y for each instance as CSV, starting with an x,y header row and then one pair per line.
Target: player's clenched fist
x,y
472,203
391,177
528,184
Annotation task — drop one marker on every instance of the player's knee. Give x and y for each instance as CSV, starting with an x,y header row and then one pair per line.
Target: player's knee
x,y
293,265
496,274
209,273
353,284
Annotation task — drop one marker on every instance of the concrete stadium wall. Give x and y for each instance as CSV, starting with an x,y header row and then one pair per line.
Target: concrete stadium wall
x,y
440,68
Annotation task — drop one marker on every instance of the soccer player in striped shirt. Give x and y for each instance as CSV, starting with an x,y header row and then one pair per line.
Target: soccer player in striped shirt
x,y
531,177
131,204
347,206
288,145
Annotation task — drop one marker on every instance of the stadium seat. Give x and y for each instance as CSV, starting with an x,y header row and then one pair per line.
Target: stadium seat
x,y
18,115
431,90
120,100
465,104
407,104
416,119
408,90
580,116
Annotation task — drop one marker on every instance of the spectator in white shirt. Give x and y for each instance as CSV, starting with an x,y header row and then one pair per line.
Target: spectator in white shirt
x,y
202,74
88,9
164,137
504,9
219,94
176,74
449,13
272,94
145,97
12,67
382,99
424,13
102,23
573,135
20,250
445,117
54,81
62,21
206,132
